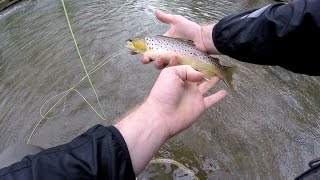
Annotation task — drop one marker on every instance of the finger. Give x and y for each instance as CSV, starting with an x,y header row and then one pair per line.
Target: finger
x,y
187,73
145,59
171,33
213,99
207,85
163,17
159,62
174,61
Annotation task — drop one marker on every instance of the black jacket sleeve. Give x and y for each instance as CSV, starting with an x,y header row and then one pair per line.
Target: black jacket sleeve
x,y
286,35
99,153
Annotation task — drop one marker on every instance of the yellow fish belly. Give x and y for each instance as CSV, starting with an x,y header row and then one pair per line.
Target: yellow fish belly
x,y
208,70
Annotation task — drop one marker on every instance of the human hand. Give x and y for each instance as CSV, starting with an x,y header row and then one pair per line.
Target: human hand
x,y
174,104
178,97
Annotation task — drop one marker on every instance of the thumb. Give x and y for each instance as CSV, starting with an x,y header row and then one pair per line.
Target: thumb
x,y
163,17
187,73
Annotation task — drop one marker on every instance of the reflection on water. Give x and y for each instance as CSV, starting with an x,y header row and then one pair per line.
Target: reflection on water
x,y
268,129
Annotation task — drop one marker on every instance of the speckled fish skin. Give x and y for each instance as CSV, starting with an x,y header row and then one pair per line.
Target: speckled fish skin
x,y
184,48
187,54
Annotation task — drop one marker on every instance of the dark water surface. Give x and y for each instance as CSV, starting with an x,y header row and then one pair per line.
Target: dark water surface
x,y
269,129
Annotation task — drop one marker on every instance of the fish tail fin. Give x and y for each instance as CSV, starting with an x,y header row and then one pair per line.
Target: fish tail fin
x,y
225,73
228,72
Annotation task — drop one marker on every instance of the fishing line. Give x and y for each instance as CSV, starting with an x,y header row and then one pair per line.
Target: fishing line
x,y
65,93
64,102
97,67
76,45
179,165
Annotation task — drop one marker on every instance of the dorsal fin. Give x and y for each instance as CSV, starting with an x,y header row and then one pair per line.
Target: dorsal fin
x,y
214,59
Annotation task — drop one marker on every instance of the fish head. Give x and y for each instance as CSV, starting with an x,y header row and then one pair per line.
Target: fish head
x,y
137,45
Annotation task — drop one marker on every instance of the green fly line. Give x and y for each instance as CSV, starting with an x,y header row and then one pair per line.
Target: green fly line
x,y
76,45
65,93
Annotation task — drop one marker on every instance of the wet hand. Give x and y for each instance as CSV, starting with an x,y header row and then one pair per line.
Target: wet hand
x,y
178,97
181,27
174,104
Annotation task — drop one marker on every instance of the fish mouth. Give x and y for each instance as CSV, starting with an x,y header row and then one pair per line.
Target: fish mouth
x,y
136,45
129,44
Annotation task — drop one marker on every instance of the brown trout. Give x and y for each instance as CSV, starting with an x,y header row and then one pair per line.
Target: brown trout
x,y
185,51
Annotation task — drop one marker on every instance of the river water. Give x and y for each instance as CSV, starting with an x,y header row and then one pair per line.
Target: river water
x,y
268,129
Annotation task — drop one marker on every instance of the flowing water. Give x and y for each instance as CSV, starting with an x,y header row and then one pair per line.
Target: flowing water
x,y
268,129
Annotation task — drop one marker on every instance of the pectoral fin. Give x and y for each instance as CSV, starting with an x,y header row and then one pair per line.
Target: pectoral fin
x,y
207,74
228,72
206,69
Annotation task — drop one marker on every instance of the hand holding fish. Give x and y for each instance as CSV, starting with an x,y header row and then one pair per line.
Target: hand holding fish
x,y
183,28
182,44
174,104
182,52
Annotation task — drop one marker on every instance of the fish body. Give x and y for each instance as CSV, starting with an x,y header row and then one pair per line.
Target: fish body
x,y
185,51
